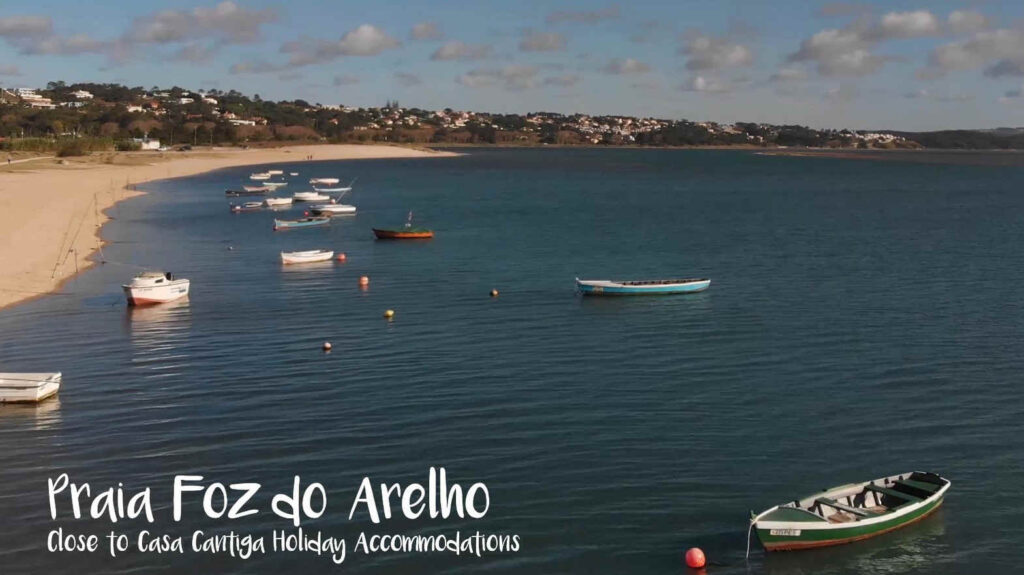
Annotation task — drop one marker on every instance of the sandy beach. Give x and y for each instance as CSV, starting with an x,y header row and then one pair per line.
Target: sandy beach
x,y
51,211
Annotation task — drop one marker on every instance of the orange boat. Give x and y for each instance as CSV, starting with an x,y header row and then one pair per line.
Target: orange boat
x,y
403,234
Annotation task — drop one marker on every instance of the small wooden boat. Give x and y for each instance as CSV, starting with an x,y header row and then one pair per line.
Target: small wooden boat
x,y
648,287
310,197
246,191
293,173
406,232
259,176
849,513
28,387
332,209
155,287
306,257
275,172
246,207
275,202
303,223
258,189
274,185
328,181
347,188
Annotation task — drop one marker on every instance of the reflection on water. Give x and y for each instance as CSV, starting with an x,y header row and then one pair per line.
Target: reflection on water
x,y
908,550
42,415
159,334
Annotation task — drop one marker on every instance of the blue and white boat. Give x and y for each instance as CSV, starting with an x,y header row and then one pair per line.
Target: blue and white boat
x,y
303,223
641,287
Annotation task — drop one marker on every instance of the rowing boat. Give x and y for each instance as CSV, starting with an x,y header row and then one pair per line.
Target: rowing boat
x,y
246,207
247,191
274,202
310,197
303,223
850,512
275,184
259,176
403,233
332,209
643,287
306,257
28,387
328,181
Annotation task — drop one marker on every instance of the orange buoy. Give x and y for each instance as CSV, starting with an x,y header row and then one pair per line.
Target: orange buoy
x,y
364,281
695,558
494,293
341,257
327,346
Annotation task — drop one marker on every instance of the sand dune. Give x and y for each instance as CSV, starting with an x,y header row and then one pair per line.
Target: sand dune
x,y
50,212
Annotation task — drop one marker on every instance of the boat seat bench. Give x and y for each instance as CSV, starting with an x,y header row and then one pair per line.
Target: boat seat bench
x,y
919,485
893,493
836,505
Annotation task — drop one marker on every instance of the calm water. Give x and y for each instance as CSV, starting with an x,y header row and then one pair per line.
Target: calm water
x,y
864,319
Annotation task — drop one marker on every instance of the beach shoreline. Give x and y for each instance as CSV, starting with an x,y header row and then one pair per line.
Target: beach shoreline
x,y
46,204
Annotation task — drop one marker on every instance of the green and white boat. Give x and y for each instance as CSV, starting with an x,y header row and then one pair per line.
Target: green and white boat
x,y
851,512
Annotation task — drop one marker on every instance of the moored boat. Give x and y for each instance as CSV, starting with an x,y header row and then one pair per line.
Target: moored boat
x,y
403,233
332,209
274,202
305,257
328,181
293,173
303,223
641,287
260,189
850,512
275,172
28,387
260,176
275,184
247,191
155,287
246,207
310,197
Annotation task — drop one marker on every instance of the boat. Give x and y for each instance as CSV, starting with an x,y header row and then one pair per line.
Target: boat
x,y
246,207
306,257
259,176
850,512
275,184
260,189
293,173
347,188
274,202
332,209
28,387
641,287
406,232
328,181
310,197
303,223
155,287
246,191
275,172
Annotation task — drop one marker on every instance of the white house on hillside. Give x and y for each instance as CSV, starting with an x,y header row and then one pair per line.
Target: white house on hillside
x,y
82,95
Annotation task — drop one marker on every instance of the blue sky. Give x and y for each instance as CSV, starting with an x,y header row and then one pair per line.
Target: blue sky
x,y
903,65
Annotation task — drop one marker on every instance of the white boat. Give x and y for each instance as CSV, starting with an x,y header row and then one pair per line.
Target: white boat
x,y
256,189
293,173
347,188
28,387
259,176
328,181
155,287
275,172
272,202
275,184
310,197
320,209
306,256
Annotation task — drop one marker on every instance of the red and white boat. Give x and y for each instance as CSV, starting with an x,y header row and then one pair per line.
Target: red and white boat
x,y
155,287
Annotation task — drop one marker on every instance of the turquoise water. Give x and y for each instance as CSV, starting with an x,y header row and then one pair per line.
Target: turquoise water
x,y
864,319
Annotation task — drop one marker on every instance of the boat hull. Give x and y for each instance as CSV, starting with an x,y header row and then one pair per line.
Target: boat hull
x,y
289,224
305,257
587,287
332,209
149,295
402,234
28,387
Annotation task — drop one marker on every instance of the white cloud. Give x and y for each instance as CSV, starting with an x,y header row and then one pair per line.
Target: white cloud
x,y
839,53
627,66
541,42
9,70
704,84
514,77
456,50
914,24
583,16
365,40
195,53
227,21
789,74
256,67
841,93
966,21
1002,50
25,26
711,53
426,31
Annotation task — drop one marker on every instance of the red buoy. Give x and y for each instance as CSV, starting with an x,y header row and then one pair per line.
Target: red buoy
x,y
364,281
695,558
341,257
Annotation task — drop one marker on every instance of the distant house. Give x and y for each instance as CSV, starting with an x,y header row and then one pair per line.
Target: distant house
x,y
82,95
135,108
240,122
30,98
147,143
209,100
184,101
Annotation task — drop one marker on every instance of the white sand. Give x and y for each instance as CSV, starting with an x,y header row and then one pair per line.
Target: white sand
x,y
50,213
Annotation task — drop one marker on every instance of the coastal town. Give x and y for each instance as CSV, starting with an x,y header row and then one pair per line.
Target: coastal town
x,y
118,117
